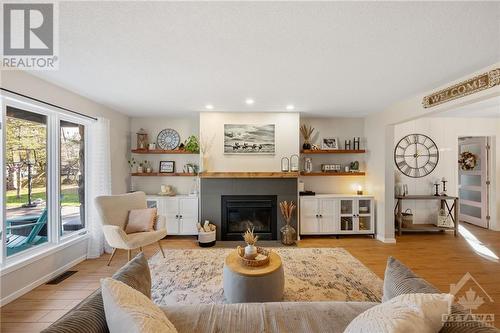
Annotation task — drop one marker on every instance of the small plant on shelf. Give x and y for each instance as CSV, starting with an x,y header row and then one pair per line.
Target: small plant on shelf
x,y
147,166
192,144
131,163
307,132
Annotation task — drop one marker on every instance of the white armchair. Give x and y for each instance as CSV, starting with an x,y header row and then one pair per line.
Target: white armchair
x,y
114,210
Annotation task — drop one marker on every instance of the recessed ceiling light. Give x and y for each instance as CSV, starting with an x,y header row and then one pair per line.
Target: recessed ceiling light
x,y
249,101
290,107
209,106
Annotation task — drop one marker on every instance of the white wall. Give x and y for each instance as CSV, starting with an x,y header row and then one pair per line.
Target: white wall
x,y
185,126
445,133
287,140
19,281
380,140
343,129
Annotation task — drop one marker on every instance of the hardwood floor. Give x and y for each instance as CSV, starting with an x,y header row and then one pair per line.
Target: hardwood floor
x,y
440,258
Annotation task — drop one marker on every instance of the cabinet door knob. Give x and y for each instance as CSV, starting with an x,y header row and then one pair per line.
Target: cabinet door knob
x,y
317,215
320,215
176,216
180,216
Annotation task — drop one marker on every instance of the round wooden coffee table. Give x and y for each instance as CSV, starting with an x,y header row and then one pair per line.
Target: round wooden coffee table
x,y
243,284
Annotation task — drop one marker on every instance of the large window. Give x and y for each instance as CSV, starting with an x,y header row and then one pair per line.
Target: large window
x,y
72,176
44,163
26,180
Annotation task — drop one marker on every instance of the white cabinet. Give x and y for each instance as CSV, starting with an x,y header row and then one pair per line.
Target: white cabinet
x,y
181,213
336,215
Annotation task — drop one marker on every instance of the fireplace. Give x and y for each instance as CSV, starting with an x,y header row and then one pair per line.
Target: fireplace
x,y
240,212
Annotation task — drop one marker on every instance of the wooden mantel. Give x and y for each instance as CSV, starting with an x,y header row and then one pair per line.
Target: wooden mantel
x,y
249,175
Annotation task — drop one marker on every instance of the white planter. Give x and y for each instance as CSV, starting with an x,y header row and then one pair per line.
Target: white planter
x,y
207,239
250,252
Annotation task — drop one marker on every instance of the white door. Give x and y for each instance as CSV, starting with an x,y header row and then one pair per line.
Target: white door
x,y
172,215
188,215
473,184
308,216
327,214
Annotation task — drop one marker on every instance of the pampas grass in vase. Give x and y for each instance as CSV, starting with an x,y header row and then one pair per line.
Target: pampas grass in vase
x,y
251,240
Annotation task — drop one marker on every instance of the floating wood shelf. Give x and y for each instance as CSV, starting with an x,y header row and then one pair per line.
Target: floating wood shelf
x,y
160,151
332,151
249,175
163,174
321,174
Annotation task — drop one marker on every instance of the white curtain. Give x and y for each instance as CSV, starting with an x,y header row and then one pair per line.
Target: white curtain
x,y
99,183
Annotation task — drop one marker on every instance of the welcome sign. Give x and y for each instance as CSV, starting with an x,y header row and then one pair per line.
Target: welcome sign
x,y
471,86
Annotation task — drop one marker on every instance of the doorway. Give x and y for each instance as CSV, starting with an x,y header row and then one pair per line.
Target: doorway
x,y
474,180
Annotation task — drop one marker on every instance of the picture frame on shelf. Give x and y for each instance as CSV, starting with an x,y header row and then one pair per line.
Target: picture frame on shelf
x,y
330,143
167,167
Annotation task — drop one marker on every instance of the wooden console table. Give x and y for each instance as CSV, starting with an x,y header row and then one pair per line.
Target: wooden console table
x,y
427,227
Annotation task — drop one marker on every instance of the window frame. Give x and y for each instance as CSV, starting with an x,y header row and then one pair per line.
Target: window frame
x,y
55,238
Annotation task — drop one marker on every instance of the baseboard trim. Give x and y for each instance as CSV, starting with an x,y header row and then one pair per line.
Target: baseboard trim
x,y
387,240
7,299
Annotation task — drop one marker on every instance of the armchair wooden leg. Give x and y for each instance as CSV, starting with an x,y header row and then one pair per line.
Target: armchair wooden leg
x,y
161,249
129,253
112,255
140,248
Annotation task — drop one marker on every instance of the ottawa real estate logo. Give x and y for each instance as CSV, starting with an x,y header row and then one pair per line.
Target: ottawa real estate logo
x,y
470,297
30,36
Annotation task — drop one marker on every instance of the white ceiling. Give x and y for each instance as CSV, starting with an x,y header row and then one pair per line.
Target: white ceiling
x,y
326,58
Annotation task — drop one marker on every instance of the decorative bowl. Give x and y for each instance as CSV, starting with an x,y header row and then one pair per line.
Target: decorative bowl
x,y
262,258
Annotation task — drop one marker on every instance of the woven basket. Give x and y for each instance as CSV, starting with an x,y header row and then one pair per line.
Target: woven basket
x,y
407,218
254,263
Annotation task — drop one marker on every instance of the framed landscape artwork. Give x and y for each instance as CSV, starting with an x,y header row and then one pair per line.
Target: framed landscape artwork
x,y
249,139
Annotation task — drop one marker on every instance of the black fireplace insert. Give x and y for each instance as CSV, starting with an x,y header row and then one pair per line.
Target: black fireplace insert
x,y
240,212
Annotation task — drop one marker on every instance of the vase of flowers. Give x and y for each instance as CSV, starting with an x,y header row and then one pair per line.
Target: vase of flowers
x,y
306,133
251,240
288,233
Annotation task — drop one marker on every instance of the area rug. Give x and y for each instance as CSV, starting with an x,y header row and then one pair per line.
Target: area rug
x,y
194,276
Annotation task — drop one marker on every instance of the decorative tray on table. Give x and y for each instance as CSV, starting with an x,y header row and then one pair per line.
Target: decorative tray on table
x,y
261,259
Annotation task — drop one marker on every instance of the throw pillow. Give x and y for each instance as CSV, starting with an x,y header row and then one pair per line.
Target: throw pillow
x,y
88,316
128,310
399,279
140,220
421,313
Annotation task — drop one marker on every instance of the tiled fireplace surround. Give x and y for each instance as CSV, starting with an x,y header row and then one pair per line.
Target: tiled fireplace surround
x,y
213,189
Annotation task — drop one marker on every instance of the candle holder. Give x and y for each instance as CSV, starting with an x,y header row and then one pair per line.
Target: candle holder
x,y
444,187
437,189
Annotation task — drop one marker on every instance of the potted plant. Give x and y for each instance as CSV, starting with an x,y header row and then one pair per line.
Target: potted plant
x,y
306,133
131,163
147,165
288,233
192,144
140,168
251,240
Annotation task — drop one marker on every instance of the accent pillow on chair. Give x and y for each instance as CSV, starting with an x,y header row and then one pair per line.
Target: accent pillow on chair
x,y
141,220
421,313
128,310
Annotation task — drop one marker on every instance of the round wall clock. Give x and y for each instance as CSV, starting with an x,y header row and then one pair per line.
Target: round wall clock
x,y
416,155
168,139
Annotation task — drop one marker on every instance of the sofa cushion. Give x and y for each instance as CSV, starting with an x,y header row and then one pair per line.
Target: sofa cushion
x,y
421,313
128,310
287,317
399,280
88,316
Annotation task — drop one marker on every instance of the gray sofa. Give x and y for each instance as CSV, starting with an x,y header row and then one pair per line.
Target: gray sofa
x,y
324,317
